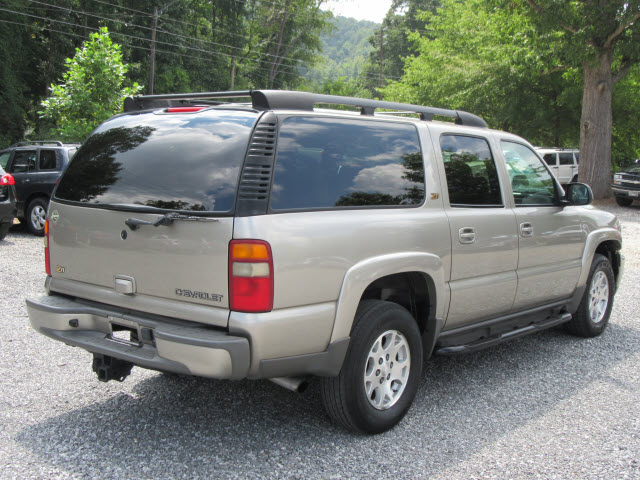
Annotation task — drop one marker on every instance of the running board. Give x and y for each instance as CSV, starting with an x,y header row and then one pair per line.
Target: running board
x,y
495,340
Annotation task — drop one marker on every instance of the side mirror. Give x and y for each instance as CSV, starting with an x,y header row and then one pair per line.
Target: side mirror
x,y
579,194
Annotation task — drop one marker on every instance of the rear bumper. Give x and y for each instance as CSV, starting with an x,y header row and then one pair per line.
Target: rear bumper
x,y
172,346
292,341
7,212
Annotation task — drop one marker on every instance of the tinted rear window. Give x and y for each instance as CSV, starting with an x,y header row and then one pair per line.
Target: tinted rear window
x,y
168,161
330,162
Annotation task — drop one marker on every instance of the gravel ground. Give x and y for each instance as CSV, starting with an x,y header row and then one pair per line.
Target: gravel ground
x,y
544,406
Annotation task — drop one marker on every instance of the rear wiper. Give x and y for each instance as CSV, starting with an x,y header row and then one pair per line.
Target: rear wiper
x,y
166,220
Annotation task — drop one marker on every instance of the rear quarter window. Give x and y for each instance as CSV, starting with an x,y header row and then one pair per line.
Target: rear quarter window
x,y
334,163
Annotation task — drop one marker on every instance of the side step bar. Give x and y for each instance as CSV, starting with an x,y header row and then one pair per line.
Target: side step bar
x,y
495,340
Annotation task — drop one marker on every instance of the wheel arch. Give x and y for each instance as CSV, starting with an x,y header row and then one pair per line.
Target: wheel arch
x,y
32,197
607,242
413,280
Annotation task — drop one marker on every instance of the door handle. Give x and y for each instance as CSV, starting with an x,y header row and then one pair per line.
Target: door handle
x,y
467,235
526,230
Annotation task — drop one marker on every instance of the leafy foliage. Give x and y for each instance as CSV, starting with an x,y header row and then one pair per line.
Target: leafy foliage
x,y
93,88
200,46
391,43
495,59
345,49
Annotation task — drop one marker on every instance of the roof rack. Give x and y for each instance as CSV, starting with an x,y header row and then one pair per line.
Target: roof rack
x,y
288,100
38,142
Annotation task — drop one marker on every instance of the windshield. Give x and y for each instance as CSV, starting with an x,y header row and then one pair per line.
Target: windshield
x,y
186,161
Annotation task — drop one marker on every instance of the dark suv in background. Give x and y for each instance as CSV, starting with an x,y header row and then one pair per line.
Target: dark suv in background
x,y
36,167
7,202
626,185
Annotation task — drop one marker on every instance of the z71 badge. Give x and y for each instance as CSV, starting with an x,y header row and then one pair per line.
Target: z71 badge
x,y
212,297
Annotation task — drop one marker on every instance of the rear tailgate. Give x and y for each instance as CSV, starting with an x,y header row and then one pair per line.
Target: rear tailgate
x,y
169,267
131,172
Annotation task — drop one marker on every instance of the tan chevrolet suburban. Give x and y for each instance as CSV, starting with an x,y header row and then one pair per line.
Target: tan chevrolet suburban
x,y
255,235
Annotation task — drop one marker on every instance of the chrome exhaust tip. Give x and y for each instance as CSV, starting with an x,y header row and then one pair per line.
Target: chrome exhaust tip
x,y
295,384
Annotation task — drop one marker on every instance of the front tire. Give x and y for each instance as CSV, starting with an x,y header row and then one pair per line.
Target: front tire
x,y
624,201
594,311
381,371
36,215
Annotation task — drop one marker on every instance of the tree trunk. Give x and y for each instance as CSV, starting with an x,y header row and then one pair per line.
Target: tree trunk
x,y
596,124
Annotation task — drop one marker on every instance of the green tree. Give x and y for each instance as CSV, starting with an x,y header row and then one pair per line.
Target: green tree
x,y
390,43
345,48
603,39
92,90
497,73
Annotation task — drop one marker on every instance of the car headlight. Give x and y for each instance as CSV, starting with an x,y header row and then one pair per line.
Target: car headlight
x,y
617,178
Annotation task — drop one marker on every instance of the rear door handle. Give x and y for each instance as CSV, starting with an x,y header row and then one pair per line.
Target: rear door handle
x,y
526,230
467,235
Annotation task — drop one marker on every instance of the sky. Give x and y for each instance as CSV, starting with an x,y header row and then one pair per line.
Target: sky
x,y
372,10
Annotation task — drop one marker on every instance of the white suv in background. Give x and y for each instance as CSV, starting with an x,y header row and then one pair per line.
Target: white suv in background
x,y
563,162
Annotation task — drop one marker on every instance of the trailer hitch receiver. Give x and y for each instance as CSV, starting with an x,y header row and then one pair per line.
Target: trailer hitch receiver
x,y
109,368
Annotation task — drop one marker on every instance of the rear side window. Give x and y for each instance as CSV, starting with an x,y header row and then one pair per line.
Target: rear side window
x,y
566,158
167,161
47,160
4,159
472,178
329,162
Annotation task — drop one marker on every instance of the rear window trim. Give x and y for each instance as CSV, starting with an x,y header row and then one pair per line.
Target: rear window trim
x,y
139,209
163,211
281,118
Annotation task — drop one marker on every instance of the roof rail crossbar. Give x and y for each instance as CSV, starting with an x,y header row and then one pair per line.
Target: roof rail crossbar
x,y
144,102
282,99
288,100
38,142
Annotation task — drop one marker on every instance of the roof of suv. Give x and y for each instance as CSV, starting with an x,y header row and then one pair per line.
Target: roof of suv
x,y
555,149
49,144
297,101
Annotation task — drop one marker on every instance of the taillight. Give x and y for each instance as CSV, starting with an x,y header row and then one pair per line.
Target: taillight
x,y
250,276
47,256
184,109
7,180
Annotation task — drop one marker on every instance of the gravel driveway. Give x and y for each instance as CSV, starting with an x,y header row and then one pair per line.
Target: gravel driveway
x,y
544,406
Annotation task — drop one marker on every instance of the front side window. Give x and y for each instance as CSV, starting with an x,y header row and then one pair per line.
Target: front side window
x,y
24,161
472,178
531,182
550,159
329,162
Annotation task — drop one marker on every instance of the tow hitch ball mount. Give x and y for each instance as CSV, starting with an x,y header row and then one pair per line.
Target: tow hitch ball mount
x,y
109,368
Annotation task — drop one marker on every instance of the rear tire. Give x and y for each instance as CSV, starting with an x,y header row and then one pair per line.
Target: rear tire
x,y
624,201
381,371
595,307
36,215
4,229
